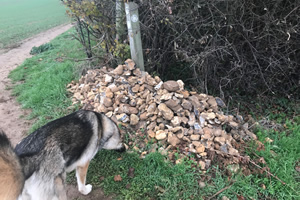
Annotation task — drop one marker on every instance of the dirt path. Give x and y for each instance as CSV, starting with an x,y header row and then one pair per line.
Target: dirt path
x,y
10,111
11,121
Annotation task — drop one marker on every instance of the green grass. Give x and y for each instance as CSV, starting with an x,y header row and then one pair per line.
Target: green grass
x,y
44,78
20,19
153,177
42,88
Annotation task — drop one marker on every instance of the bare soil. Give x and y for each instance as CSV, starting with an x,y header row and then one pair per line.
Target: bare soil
x,y
12,116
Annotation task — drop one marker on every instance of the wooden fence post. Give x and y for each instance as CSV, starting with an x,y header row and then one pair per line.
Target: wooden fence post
x,y
134,34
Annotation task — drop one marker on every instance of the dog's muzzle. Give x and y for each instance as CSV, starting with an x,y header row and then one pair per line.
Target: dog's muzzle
x,y
122,149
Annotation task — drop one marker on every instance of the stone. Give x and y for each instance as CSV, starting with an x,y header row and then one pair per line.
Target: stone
x,y
220,140
208,116
130,64
200,148
185,93
176,121
212,102
217,132
192,119
134,119
123,118
109,93
196,143
143,116
151,133
137,72
173,139
151,108
108,78
135,88
202,165
160,134
194,101
220,102
166,112
107,102
118,70
186,105
233,151
166,96
171,86
225,198
113,88
222,117
109,114
233,124
172,104
195,137
180,84
150,81
202,184
151,126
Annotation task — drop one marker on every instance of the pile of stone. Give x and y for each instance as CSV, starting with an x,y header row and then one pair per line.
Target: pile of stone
x,y
165,110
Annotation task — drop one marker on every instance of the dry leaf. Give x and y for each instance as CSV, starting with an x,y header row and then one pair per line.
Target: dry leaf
x,y
131,172
117,178
119,158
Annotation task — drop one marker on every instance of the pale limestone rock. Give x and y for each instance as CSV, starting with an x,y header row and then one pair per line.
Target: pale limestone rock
x,y
166,112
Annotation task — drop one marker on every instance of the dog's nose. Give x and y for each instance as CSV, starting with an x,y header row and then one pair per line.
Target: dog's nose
x,y
122,149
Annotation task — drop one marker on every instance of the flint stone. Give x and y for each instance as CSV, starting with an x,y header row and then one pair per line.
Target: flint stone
x,y
107,102
208,116
186,104
200,148
160,134
176,121
173,105
118,70
212,102
134,119
151,133
108,78
180,84
137,72
166,112
173,139
130,64
220,140
123,118
171,86
192,119
151,108
220,102
195,137
233,124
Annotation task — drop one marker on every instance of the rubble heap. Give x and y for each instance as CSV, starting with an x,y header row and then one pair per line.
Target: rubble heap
x,y
165,110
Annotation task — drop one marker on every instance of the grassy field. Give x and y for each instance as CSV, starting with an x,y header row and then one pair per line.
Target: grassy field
x,y
44,78
20,19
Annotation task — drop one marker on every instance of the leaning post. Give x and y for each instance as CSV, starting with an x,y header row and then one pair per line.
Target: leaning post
x,y
134,34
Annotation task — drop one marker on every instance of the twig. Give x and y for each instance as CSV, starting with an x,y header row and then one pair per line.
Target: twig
x,y
256,165
220,191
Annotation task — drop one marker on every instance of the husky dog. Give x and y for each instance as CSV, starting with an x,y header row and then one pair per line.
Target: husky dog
x,y
11,175
61,146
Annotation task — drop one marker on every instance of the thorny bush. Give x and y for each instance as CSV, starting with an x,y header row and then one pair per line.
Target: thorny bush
x,y
223,46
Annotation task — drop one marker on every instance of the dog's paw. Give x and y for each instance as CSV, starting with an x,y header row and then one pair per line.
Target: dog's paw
x,y
86,189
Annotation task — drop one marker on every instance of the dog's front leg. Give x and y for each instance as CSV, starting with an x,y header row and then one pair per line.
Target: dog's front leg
x,y
81,178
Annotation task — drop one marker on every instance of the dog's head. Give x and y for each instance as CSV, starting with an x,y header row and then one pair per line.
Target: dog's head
x,y
111,136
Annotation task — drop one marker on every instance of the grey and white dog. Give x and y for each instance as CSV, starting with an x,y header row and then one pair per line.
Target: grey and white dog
x,y
61,146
